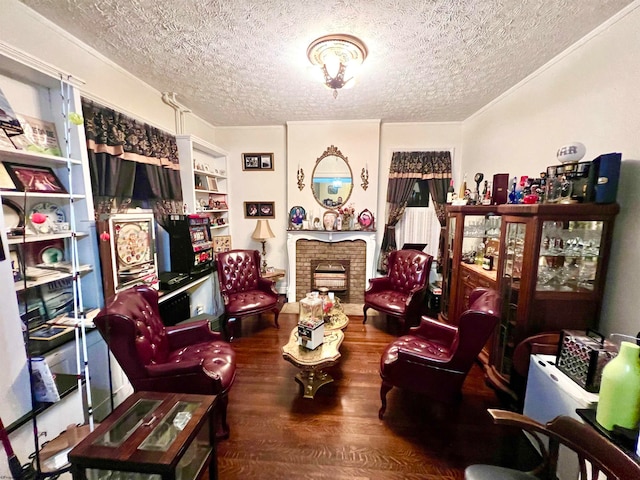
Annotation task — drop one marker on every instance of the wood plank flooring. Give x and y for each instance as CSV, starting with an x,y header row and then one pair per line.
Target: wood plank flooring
x,y
277,434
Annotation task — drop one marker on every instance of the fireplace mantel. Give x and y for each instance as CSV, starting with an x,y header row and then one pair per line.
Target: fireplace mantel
x,y
369,237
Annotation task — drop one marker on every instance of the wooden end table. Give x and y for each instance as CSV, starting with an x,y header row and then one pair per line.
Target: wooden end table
x,y
151,436
311,362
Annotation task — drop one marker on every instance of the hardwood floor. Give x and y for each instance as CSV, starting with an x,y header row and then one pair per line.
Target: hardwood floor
x,y
277,434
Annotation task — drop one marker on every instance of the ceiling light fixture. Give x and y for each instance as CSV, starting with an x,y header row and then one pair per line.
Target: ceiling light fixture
x,y
337,57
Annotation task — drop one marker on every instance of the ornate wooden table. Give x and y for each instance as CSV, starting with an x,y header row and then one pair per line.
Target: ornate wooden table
x,y
311,362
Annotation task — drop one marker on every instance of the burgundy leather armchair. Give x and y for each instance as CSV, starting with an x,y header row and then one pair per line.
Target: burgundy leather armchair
x,y
402,292
243,290
435,358
187,358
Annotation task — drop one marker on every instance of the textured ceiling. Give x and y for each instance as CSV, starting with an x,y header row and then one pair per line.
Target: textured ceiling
x,y
243,62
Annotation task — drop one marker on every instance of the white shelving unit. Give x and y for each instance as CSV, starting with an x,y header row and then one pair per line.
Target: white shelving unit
x,y
37,90
203,174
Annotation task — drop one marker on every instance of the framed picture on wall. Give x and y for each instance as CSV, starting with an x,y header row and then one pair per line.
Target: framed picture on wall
x,y
222,243
257,161
259,210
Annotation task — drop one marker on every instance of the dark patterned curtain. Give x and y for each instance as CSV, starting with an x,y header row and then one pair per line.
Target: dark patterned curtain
x,y
406,168
130,162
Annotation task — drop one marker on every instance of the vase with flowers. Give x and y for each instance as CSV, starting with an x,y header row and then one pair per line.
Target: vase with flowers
x,y
347,212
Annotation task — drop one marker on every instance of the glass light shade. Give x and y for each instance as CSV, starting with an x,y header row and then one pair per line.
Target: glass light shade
x,y
332,53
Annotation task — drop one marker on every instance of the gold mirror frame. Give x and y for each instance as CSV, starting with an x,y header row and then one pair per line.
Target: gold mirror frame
x,y
326,193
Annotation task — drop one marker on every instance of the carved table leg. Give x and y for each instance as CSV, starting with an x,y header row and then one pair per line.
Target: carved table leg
x,y
312,380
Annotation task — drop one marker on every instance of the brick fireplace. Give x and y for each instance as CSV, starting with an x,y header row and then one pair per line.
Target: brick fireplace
x,y
352,249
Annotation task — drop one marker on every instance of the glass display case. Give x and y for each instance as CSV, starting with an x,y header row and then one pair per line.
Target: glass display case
x,y
552,269
151,436
471,255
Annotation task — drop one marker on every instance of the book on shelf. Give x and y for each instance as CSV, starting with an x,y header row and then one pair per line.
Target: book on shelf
x,y
36,273
64,266
38,136
9,122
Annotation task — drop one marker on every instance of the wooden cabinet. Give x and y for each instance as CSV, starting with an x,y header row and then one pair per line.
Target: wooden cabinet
x,y
204,178
551,274
473,232
550,264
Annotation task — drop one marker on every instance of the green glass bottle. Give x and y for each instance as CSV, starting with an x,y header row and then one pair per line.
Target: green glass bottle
x,y
619,402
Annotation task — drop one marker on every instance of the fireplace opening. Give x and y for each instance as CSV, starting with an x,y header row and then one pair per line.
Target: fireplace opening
x,y
332,274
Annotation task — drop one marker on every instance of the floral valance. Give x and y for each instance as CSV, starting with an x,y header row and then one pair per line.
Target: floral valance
x,y
115,133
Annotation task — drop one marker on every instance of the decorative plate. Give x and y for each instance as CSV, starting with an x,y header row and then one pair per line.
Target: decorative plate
x,y
54,216
51,255
132,243
296,215
13,214
365,219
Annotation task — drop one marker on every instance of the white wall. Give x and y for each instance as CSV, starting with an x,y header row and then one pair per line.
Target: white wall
x,y
268,186
588,94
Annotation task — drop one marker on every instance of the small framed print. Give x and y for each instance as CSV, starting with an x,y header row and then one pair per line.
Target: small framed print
x,y
32,178
259,210
212,184
257,161
222,243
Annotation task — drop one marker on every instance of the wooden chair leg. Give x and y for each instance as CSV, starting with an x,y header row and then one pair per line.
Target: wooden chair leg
x,y
221,425
364,312
384,389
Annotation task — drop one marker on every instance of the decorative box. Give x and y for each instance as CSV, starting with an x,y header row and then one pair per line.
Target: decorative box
x,y
582,356
310,333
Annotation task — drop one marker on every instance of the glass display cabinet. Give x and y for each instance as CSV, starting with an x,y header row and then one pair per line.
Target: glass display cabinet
x,y
150,436
552,271
471,255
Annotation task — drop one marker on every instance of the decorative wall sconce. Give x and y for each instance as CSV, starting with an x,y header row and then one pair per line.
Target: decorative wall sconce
x,y
365,178
300,179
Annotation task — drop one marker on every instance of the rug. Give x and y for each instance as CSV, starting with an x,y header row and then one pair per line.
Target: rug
x,y
349,309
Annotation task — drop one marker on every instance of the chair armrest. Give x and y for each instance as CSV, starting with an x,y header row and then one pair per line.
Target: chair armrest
x,y
378,284
411,356
173,369
434,330
267,285
189,333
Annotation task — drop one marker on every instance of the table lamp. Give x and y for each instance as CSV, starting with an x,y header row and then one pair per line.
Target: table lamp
x,y
262,233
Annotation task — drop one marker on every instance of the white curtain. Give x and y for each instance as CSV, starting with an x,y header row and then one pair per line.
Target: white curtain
x,y
419,225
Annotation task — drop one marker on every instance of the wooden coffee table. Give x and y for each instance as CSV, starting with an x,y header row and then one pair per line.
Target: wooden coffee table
x,y
311,362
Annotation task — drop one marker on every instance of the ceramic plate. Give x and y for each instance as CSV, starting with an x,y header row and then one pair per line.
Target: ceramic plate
x,y
365,219
13,214
54,215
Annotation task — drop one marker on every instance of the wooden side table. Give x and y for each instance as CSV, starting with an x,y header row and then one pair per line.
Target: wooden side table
x,y
151,436
275,275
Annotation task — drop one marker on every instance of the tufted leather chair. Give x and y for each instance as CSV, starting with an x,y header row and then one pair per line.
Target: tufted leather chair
x,y
187,358
402,292
435,358
243,290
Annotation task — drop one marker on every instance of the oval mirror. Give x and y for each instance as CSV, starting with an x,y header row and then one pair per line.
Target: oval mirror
x,y
332,180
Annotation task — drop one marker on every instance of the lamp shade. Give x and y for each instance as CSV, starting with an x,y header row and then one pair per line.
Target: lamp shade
x,y
262,231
